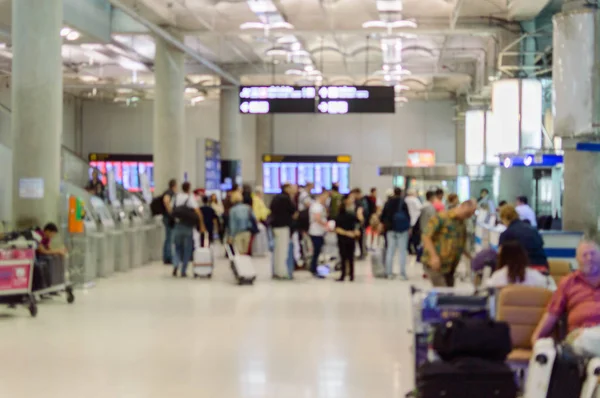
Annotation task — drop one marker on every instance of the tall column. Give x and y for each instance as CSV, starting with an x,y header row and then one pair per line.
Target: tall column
x,y
264,142
576,84
230,122
169,114
37,101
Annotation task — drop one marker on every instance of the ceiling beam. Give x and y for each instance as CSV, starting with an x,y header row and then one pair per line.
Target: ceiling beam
x,y
162,33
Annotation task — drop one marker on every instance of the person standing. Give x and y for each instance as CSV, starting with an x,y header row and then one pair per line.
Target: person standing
x,y
183,232
444,242
95,185
397,221
209,215
283,212
304,197
260,209
525,211
362,208
168,222
317,230
335,202
438,200
240,224
347,228
486,202
428,210
414,206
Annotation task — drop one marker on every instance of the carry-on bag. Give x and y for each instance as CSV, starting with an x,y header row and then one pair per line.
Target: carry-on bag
x,y
472,337
555,371
260,242
203,260
378,263
466,378
242,266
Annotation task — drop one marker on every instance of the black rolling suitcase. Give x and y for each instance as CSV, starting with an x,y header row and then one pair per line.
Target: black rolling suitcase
x,y
466,378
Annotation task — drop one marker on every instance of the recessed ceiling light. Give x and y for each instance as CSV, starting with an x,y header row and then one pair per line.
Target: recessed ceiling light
x,y
73,35
65,31
296,46
191,90
88,78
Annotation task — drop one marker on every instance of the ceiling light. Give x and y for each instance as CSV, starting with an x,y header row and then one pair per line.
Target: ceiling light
x,y
276,51
262,6
197,99
73,35
401,99
65,31
309,68
191,90
296,46
389,25
252,25
124,90
287,39
88,78
131,65
385,67
389,5
401,87
281,25
294,72
387,78
92,46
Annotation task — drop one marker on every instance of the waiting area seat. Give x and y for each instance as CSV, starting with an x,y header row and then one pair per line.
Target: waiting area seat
x,y
559,269
522,307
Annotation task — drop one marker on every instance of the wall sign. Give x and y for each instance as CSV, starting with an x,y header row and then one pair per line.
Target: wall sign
x,y
421,158
31,188
212,164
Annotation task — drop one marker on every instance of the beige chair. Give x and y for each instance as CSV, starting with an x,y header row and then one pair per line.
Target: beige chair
x,y
559,269
521,307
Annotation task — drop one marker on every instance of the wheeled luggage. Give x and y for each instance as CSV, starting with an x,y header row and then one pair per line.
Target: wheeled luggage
x,y
242,266
466,378
378,263
482,338
203,259
555,371
260,242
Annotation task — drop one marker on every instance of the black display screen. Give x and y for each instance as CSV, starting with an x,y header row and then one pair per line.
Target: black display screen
x,y
277,99
340,100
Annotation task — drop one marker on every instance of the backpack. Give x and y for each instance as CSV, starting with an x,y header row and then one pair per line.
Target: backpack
x,y
400,219
157,206
185,215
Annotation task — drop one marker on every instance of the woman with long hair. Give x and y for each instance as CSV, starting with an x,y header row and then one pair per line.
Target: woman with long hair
x,y
513,269
347,227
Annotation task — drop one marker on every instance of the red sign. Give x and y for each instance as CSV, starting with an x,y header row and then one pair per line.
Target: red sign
x,y
421,158
17,254
15,276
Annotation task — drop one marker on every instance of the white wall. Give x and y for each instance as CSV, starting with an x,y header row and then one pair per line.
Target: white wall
x,y
113,128
372,140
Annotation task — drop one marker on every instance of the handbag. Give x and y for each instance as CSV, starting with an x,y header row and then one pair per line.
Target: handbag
x,y
253,223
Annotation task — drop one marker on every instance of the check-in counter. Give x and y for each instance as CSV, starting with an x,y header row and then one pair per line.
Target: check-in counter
x,y
106,246
561,245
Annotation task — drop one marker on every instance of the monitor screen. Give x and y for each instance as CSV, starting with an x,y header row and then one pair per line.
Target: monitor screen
x,y
271,181
127,169
277,99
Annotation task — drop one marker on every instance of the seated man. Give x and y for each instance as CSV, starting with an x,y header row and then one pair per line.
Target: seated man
x,y
577,296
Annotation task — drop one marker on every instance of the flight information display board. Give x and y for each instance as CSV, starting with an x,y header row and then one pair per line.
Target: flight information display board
x,y
340,100
277,99
323,171
127,169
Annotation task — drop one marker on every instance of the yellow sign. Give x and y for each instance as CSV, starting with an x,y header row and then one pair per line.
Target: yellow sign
x,y
344,159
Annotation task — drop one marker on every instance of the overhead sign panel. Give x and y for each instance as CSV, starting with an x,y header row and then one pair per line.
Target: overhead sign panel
x,y
277,99
332,100
340,100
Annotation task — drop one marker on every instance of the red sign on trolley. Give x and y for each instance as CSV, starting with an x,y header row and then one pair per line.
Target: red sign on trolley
x,y
15,277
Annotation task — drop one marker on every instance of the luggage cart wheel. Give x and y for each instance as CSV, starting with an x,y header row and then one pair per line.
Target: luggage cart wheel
x,y
70,295
33,310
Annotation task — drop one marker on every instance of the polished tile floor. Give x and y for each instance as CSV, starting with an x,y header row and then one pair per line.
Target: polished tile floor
x,y
145,334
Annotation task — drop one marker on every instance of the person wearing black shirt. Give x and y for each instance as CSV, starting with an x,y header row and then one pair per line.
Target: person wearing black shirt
x,y
347,227
210,220
283,213
95,185
168,196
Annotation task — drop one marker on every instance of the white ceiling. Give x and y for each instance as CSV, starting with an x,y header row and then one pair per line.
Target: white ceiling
x,y
452,49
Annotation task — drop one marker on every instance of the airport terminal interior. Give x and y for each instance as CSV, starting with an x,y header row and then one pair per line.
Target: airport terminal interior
x,y
299,198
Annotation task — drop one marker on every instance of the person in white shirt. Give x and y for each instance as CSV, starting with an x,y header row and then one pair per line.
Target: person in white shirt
x,y
305,198
514,270
183,232
317,229
414,206
525,211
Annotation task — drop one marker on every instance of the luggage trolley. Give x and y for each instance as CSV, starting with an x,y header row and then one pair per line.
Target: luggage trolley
x,y
16,276
435,305
52,271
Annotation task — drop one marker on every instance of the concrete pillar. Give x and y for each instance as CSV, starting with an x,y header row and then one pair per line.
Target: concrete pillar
x,y
37,101
264,142
232,143
169,114
576,79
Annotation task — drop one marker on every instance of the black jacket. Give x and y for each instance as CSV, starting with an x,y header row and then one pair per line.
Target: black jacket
x,y
282,211
529,238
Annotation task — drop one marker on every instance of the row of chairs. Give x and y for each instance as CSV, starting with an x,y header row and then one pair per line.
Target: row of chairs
x,y
522,307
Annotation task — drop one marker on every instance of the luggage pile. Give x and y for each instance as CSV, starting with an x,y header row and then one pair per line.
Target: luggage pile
x,y
472,354
459,351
